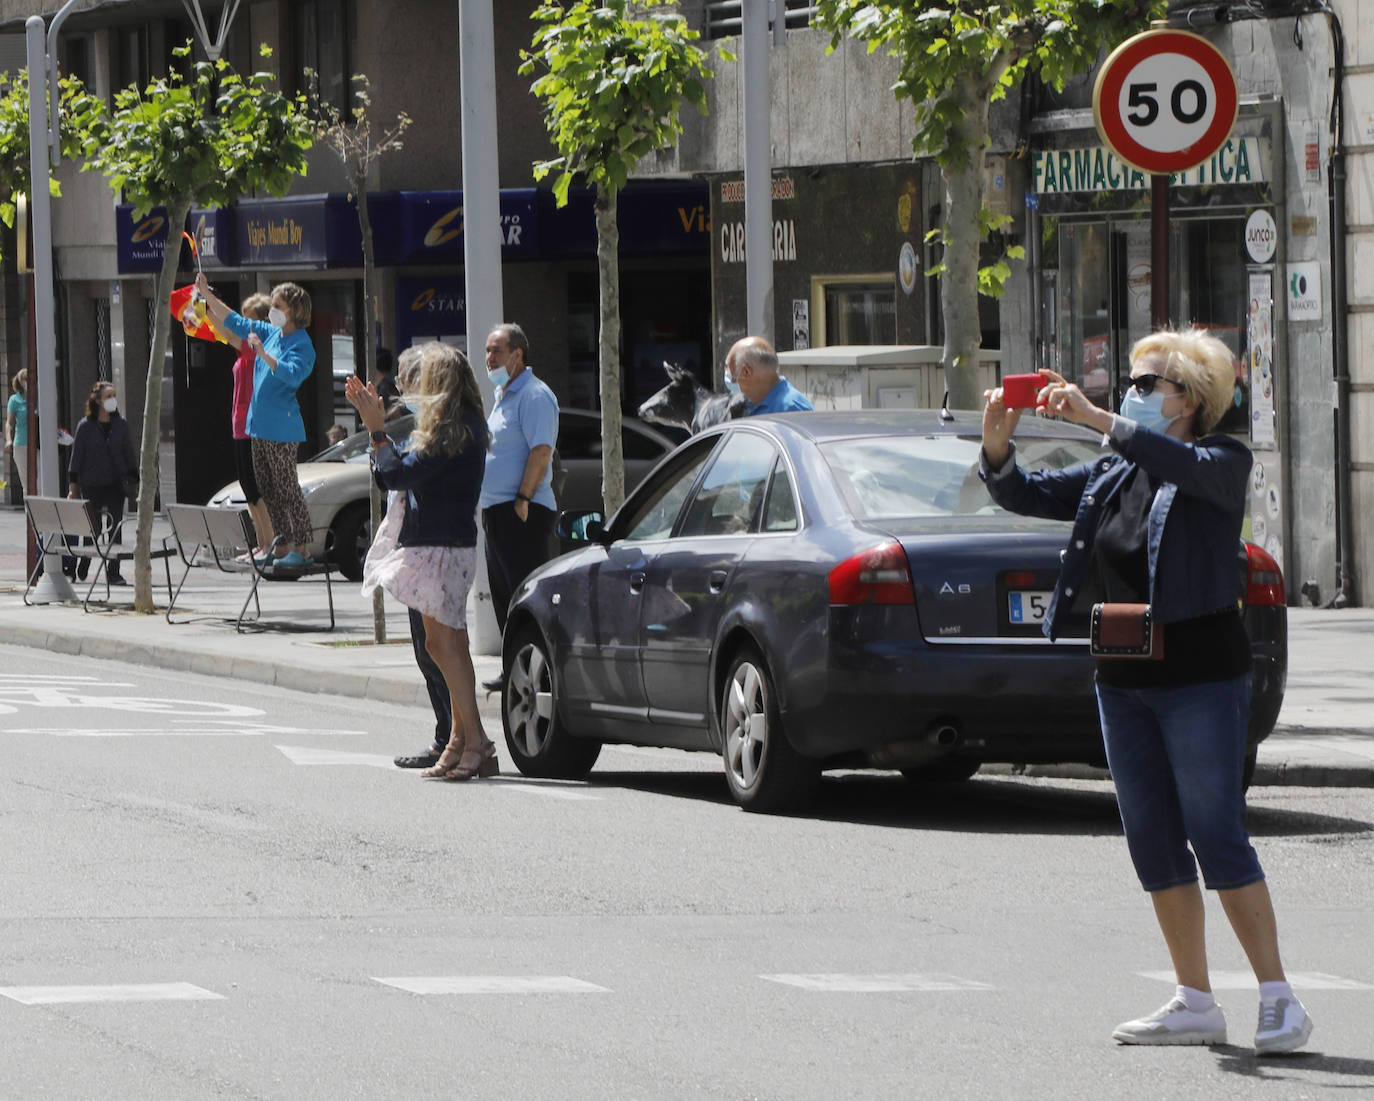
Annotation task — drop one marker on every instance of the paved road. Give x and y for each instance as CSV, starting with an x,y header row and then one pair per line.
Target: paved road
x,y
286,921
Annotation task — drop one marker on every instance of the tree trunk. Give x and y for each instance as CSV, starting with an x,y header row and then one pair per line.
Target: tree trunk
x,y
608,265
963,239
370,371
152,407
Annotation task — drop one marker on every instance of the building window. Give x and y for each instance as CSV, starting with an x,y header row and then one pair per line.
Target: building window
x,y
725,18
132,58
325,35
853,309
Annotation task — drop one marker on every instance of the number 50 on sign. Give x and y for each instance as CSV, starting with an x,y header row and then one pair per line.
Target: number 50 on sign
x,y
1165,100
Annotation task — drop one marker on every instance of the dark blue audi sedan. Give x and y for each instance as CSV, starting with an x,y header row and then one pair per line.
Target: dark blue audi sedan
x,y
825,590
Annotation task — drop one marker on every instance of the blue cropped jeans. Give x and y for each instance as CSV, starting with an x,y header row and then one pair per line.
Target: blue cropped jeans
x,y
1177,755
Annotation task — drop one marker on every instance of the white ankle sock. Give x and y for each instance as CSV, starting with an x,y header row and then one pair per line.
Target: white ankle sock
x,y
1197,1001
1273,991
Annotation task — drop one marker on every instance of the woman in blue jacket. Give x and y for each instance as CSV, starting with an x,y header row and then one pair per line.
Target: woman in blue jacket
x,y
1158,522
424,554
285,358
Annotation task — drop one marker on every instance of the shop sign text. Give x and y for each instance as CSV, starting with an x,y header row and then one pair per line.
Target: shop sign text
x,y
1097,168
784,241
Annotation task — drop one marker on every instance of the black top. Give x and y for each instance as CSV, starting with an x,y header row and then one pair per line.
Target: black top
x,y
102,453
1207,648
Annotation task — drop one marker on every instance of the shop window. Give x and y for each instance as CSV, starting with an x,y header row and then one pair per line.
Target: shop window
x,y
324,33
725,18
853,309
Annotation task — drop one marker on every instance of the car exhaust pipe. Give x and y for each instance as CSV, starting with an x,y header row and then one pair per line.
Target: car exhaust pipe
x,y
944,734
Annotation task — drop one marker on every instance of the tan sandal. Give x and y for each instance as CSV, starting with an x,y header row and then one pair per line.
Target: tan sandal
x,y
475,763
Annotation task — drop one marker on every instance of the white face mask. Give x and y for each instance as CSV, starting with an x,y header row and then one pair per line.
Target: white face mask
x,y
276,317
111,404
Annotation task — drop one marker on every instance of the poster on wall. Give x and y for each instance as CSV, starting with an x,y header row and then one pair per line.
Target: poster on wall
x,y
1260,343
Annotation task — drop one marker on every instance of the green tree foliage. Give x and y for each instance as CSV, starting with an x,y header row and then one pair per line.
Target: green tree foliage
x,y
612,77
957,57
14,136
202,138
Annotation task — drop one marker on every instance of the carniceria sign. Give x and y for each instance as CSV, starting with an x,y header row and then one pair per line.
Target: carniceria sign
x,y
1240,160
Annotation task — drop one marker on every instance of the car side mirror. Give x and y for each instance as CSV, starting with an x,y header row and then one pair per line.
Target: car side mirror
x,y
582,526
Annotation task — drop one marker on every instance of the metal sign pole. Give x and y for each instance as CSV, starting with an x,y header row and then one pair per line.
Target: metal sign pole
x,y
1159,252
53,586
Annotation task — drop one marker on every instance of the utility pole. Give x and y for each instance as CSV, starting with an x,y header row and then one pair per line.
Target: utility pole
x,y
44,147
484,302
758,167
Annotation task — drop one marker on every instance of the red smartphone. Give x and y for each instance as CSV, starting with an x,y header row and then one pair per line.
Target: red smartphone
x,y
1019,391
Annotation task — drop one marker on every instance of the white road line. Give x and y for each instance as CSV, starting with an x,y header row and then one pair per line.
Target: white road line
x,y
232,731
839,983
494,984
133,992
306,755
1245,980
551,788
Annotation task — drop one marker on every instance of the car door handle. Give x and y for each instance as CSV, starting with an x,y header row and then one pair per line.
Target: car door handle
x,y
636,583
718,580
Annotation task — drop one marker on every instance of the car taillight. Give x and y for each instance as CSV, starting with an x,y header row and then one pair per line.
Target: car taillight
x,y
1264,579
879,575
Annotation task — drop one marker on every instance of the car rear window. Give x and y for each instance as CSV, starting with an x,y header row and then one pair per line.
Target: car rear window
x,y
891,477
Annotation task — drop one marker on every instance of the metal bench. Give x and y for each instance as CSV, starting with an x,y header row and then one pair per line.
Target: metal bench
x,y
73,528
222,539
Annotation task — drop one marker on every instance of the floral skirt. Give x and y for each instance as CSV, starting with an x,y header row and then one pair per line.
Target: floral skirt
x,y
432,580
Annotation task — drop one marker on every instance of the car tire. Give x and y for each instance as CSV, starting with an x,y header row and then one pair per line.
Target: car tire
x,y
1247,774
946,770
352,531
539,742
764,773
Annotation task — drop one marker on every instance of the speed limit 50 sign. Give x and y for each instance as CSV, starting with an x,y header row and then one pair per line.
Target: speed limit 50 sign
x,y
1165,100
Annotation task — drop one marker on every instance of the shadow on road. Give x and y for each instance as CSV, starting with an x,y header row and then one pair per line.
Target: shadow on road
x,y
1298,1067
993,804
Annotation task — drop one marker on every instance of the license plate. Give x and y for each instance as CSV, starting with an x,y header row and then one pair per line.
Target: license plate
x,y
1028,605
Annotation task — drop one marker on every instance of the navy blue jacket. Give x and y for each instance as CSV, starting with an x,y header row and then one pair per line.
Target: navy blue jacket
x,y
441,490
1194,526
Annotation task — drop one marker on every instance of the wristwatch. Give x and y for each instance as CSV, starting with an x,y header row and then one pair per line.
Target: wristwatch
x,y
379,437
522,497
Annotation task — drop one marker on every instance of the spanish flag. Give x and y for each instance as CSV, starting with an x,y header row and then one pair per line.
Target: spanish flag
x,y
188,307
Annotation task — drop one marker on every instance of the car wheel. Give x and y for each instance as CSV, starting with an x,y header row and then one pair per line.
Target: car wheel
x,y
1247,775
352,537
763,771
539,742
945,770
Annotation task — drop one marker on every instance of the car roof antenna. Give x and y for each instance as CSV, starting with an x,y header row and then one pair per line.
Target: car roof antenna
x,y
945,414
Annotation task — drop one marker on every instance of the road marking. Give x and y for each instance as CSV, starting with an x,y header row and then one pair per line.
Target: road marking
x,y
226,729
839,983
494,984
132,992
1245,980
305,755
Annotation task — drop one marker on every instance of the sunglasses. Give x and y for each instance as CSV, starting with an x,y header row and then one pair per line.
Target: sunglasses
x,y
1145,384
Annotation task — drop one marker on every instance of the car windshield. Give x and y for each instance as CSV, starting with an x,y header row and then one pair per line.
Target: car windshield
x,y
355,448
893,477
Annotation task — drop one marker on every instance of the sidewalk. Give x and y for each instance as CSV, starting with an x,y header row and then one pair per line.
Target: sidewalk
x,y
1325,733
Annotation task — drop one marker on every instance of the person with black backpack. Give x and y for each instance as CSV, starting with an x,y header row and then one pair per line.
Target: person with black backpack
x,y
103,467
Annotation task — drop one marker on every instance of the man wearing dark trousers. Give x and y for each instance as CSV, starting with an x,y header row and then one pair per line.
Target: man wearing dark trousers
x,y
517,502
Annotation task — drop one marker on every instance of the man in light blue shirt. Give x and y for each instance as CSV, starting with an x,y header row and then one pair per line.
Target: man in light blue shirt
x,y
517,503
753,365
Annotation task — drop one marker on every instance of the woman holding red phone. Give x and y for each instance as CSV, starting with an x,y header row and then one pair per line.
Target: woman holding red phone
x,y
1157,523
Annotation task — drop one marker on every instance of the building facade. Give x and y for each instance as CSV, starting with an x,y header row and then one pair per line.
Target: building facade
x,y
1270,247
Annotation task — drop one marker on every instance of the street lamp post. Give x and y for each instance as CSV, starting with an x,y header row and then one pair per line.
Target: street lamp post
x,y
45,147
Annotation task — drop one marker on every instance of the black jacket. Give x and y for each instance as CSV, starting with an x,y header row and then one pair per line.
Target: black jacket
x,y
98,461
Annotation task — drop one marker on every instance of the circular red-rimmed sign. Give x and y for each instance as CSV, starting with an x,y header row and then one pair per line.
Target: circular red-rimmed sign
x,y
1165,100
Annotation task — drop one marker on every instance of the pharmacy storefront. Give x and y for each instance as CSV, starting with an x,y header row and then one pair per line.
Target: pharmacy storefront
x,y
1090,221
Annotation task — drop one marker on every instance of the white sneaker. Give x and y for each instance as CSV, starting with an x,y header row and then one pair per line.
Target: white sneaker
x,y
1283,1026
1175,1023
